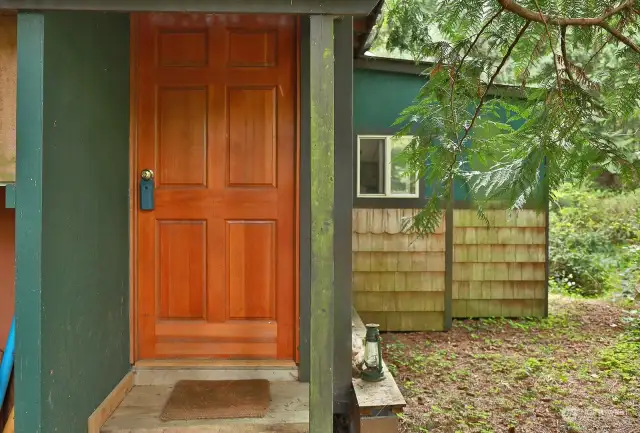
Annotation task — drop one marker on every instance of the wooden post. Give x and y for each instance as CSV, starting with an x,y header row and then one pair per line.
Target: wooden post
x,y
321,69
448,260
547,210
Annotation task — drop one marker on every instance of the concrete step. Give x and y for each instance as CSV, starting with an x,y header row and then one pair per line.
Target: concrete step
x,y
140,413
160,375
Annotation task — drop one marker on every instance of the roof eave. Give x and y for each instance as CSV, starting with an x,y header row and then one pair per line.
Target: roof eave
x,y
323,7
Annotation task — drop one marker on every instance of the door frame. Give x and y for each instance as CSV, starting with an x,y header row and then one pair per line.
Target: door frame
x,y
133,198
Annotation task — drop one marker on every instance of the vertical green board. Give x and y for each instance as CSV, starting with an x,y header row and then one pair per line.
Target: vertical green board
x,y
28,309
343,203
305,202
74,303
10,196
321,91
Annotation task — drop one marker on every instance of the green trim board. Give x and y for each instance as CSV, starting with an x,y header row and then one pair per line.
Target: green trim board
x,y
401,66
10,196
72,290
305,202
321,71
343,203
336,7
29,222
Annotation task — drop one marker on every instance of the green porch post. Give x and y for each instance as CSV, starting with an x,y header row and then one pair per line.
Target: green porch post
x,y
322,225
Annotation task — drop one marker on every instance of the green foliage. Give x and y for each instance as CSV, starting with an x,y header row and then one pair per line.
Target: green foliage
x,y
632,320
594,242
571,112
623,358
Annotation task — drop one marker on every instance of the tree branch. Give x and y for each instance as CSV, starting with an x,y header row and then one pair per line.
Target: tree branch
x,y
534,53
493,78
553,51
475,41
563,50
598,51
600,21
456,70
622,38
620,26
532,15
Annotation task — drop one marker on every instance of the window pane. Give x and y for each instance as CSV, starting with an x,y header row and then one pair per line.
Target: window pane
x,y
400,182
372,166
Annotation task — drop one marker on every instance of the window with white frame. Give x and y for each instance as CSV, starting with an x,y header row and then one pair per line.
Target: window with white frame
x,y
380,172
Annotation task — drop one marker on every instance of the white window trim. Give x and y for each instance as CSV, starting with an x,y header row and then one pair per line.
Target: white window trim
x,y
387,180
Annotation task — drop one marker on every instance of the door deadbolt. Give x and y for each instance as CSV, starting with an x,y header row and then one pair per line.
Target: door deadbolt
x,y
146,174
147,189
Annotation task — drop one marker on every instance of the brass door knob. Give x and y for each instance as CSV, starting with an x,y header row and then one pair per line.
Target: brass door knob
x,y
146,174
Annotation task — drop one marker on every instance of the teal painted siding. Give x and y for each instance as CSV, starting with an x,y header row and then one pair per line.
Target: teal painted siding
x,y
73,209
379,98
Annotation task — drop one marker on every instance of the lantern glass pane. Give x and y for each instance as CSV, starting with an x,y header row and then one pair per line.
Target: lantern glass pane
x,y
371,354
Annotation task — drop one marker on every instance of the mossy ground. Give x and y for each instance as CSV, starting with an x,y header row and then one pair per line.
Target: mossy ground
x,y
576,371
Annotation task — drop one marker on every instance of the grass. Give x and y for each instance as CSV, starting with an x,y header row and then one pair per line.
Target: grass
x,y
576,371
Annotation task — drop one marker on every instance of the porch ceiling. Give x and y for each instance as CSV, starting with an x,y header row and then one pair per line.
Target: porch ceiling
x,y
332,7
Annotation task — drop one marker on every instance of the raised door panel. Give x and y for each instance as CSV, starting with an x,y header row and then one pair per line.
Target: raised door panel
x,y
251,283
183,49
252,48
182,262
252,137
182,136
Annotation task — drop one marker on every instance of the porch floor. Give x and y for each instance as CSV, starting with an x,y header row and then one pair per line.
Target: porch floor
x,y
140,413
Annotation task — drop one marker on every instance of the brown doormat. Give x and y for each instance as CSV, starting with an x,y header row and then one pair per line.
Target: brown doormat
x,y
217,399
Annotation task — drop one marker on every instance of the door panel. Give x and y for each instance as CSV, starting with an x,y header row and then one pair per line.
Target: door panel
x,y
181,136
252,140
252,264
216,124
182,261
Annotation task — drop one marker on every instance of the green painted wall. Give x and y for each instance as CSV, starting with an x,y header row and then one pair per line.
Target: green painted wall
x,y
379,98
72,216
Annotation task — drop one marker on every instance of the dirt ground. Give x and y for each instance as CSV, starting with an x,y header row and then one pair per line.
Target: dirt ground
x,y
576,371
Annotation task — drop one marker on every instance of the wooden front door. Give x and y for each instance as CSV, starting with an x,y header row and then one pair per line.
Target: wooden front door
x,y
216,123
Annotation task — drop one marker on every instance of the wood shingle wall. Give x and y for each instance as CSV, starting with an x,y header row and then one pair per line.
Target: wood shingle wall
x,y
398,278
500,270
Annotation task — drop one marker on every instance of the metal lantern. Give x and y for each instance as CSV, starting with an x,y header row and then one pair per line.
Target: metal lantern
x,y
372,368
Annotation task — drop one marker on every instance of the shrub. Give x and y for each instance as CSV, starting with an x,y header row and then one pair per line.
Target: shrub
x,y
593,241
